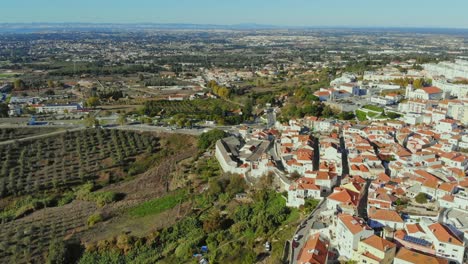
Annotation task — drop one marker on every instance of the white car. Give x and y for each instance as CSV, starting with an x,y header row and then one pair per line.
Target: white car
x,y
296,237
267,246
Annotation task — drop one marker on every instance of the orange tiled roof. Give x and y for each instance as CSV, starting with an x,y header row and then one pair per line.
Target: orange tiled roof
x,y
443,234
306,184
432,90
315,251
414,257
385,215
448,198
378,243
447,186
414,228
354,224
345,196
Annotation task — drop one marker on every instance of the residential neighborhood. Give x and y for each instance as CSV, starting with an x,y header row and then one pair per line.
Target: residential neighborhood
x,y
392,190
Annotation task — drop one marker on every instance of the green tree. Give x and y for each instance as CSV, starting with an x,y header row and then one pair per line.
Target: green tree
x,y
418,83
18,84
50,84
211,84
92,101
327,112
57,252
94,219
248,107
91,121
207,139
346,115
223,92
122,119
3,110
421,198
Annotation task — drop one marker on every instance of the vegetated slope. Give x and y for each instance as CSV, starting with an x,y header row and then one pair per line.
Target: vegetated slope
x,y
28,239
210,109
233,229
17,133
65,160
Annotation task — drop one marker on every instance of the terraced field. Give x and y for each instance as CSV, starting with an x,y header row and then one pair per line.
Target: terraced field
x,y
25,240
66,160
15,133
51,168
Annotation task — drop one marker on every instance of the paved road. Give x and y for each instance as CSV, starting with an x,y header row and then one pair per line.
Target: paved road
x,y
362,206
303,231
194,132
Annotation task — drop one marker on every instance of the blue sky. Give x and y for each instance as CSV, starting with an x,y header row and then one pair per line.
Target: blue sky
x,y
368,13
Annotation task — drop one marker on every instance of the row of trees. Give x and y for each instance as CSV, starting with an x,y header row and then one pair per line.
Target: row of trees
x,y
4,110
317,109
220,91
417,83
20,85
65,160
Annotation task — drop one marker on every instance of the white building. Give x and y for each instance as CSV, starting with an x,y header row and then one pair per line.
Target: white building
x,y
446,241
375,250
345,78
58,109
446,126
449,70
413,119
425,93
414,106
381,101
303,188
352,88
457,90
349,231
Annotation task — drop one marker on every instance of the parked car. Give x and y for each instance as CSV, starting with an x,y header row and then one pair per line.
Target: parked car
x,y
267,246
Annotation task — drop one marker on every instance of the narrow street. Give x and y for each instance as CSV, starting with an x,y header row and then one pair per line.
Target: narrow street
x,y
316,161
362,206
303,231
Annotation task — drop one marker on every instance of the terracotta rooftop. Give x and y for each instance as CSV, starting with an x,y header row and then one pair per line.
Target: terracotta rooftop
x,y
416,258
432,90
414,228
315,251
354,224
379,243
443,234
385,215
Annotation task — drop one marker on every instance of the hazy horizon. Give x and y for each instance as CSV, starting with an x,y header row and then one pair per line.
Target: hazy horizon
x,y
294,13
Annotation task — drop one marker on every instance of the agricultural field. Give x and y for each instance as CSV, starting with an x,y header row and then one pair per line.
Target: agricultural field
x,y
211,109
26,240
75,185
7,75
14,133
66,160
166,107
